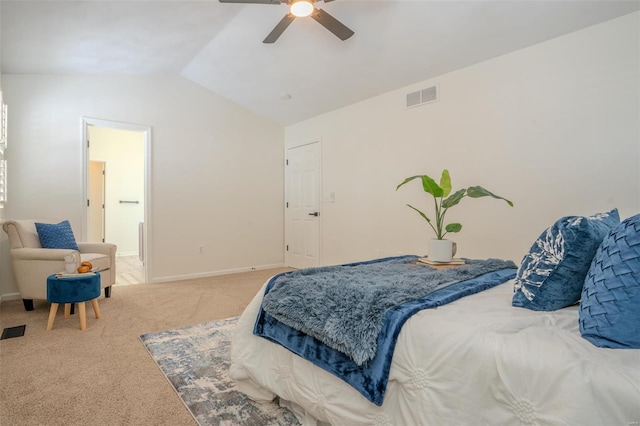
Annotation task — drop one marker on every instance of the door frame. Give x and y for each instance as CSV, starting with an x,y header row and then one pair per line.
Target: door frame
x,y
287,226
146,133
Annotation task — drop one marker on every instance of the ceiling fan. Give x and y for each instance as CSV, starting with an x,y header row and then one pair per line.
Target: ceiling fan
x,y
299,9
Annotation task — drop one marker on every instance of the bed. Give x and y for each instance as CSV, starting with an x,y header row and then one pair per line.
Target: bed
x,y
476,360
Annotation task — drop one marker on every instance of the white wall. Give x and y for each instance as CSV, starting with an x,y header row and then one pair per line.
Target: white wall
x,y
554,127
217,169
122,151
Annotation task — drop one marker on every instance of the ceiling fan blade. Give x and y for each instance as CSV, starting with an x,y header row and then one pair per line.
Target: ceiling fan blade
x,y
332,24
252,1
279,29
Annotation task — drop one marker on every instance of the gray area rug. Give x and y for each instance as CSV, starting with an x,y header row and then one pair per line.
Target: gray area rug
x,y
196,360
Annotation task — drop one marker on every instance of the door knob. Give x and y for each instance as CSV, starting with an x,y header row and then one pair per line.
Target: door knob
x,y
314,214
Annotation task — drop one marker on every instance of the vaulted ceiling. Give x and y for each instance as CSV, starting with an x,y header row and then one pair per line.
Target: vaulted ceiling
x,y
219,45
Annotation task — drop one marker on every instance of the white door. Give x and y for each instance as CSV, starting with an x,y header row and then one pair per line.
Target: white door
x,y
302,209
96,202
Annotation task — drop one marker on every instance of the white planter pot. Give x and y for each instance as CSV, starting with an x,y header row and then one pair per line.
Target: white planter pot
x,y
441,250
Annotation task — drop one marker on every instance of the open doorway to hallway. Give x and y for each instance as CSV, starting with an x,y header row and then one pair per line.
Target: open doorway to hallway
x,y
117,194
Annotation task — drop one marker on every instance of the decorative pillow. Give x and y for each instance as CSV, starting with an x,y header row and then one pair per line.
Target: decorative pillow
x,y
609,314
56,236
551,275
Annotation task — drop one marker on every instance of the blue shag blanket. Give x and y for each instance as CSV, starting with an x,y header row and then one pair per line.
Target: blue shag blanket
x,y
370,378
344,306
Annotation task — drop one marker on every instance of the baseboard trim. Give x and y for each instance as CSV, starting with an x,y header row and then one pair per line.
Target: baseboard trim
x,y
9,296
126,254
215,273
14,296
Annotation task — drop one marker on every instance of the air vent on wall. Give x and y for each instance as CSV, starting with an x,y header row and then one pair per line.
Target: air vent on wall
x,y
421,97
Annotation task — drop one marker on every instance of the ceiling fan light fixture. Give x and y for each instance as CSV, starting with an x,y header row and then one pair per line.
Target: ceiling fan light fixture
x,y
301,8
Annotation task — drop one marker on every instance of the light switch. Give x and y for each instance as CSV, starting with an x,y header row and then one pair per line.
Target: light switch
x,y
330,198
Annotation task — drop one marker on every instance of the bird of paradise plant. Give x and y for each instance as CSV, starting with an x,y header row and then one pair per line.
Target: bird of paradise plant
x,y
444,200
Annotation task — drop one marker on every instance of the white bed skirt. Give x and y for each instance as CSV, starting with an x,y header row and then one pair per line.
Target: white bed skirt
x,y
476,361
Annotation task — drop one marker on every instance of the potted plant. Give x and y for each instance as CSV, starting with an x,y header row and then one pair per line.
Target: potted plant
x,y
441,250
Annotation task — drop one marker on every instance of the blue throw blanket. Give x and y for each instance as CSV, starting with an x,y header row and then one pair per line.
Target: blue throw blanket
x,y
344,306
370,378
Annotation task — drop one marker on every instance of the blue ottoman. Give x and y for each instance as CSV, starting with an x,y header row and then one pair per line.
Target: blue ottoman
x,y
73,289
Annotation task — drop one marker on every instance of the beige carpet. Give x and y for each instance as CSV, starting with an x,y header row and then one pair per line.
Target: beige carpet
x,y
104,375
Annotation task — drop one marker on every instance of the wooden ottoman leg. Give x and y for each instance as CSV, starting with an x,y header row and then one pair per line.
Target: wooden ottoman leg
x,y
83,315
96,308
52,315
67,309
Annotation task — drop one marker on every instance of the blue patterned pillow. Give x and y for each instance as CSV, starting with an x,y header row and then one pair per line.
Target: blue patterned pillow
x,y
609,314
551,275
56,236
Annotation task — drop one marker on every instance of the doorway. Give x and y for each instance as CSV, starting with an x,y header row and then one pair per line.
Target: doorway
x,y
302,209
116,183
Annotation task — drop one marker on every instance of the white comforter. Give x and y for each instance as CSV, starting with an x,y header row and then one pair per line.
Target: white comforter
x,y
476,361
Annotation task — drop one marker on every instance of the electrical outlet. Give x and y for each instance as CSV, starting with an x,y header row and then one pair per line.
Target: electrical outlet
x,y
201,249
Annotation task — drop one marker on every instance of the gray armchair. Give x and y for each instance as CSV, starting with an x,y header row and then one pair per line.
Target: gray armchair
x,y
32,264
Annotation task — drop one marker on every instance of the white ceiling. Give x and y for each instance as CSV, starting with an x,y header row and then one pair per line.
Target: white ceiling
x,y
219,46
